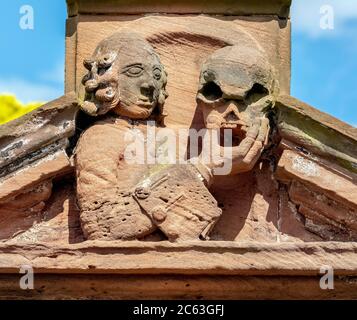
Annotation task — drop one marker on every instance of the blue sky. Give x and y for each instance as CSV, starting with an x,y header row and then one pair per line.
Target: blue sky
x,y
324,62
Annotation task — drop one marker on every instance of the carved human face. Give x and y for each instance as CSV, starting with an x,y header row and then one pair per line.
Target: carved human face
x,y
235,89
126,76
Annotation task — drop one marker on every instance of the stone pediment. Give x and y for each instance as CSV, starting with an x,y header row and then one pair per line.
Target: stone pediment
x,y
73,207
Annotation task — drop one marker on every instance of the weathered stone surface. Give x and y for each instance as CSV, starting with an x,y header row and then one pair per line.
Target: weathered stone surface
x,y
297,166
249,203
334,212
237,88
139,286
256,209
104,181
70,63
292,223
32,200
29,177
327,229
57,223
21,212
176,199
231,7
317,132
125,75
218,258
186,42
106,184
324,196
32,154
299,188
298,107
37,134
210,270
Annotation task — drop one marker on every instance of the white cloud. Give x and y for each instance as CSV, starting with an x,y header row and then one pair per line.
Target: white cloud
x,y
27,91
306,16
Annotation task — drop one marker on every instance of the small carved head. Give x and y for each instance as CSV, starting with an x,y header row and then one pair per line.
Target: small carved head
x,y
237,85
125,75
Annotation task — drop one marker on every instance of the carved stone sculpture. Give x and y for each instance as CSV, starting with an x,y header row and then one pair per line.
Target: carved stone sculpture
x,y
125,75
237,86
286,210
175,198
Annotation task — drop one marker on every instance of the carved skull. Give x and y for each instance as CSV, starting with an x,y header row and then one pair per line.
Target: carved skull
x,y
236,88
126,75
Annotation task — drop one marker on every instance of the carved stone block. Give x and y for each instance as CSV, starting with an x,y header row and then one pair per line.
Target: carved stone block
x,y
75,187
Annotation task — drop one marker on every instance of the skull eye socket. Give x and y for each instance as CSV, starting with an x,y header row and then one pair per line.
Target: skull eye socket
x,y
211,91
256,93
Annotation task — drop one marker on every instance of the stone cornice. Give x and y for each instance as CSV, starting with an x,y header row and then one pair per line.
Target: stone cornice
x,y
280,8
194,258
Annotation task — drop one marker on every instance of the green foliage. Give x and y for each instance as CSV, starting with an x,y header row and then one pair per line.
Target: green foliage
x,y
11,108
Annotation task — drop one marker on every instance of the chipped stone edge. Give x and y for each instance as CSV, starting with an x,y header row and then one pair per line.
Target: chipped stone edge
x,y
317,131
195,258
